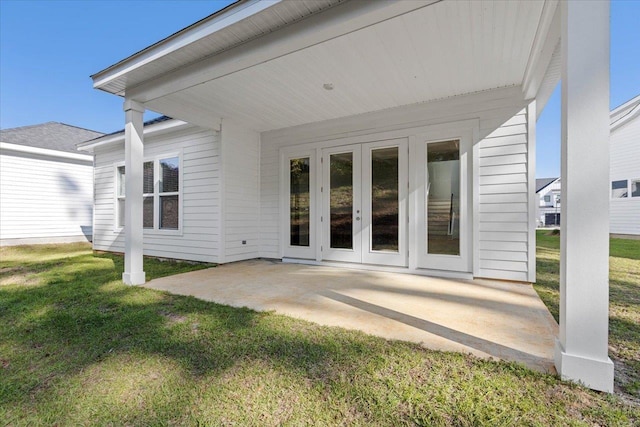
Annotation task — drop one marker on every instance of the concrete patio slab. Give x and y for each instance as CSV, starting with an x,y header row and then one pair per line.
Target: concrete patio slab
x,y
484,317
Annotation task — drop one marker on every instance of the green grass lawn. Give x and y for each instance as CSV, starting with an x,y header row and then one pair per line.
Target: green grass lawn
x,y
624,302
77,347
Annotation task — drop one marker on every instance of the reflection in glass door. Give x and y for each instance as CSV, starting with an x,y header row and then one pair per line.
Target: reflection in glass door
x,y
341,200
341,217
298,204
384,190
365,203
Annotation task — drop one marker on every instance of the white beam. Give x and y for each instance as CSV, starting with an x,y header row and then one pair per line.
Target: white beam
x,y
133,159
544,44
581,353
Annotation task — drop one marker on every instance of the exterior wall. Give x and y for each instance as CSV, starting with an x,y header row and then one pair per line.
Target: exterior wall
x,y
241,181
199,238
503,224
504,203
553,207
44,199
625,164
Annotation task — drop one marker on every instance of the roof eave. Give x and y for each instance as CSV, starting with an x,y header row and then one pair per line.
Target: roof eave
x,y
151,130
223,18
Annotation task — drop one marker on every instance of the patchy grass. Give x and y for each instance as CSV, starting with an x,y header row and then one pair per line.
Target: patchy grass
x,y
624,302
77,347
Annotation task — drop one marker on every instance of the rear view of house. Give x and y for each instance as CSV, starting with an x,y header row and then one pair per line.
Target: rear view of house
x,y
46,186
397,136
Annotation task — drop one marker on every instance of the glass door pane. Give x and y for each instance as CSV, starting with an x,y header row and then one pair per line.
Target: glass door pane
x,y
384,199
341,200
299,201
443,198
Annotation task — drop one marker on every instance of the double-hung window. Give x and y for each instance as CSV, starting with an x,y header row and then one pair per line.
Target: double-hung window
x,y
161,194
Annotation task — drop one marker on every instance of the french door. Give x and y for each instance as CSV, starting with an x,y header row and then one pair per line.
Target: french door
x,y
364,203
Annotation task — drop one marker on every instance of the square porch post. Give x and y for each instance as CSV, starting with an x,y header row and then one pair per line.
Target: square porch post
x,y
133,159
581,352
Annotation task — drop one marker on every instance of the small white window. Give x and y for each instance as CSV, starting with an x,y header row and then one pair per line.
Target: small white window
x,y
161,193
547,198
120,192
635,188
619,189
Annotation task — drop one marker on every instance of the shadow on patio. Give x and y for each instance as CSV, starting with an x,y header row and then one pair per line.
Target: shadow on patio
x,y
486,318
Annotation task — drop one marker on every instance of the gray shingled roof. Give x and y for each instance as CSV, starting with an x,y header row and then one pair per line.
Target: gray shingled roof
x,y
50,135
541,183
145,124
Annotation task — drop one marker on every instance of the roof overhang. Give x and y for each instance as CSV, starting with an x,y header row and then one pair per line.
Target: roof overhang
x,y
264,63
5,146
624,113
156,129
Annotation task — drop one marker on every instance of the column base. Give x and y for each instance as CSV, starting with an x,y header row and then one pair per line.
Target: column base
x,y
592,373
137,278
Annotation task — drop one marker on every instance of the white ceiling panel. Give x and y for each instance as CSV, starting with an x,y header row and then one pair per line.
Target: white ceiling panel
x,y
446,49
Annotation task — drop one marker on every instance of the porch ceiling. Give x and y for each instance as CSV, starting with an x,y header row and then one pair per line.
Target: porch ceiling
x,y
435,51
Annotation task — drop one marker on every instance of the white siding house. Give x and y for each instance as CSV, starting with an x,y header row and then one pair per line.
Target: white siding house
x,y
46,186
397,136
549,201
625,169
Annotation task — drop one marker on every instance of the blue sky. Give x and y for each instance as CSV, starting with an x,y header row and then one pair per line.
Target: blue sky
x,y
48,49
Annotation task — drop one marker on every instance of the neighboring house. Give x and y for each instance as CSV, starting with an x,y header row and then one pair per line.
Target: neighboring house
x,y
625,169
548,211
388,135
46,186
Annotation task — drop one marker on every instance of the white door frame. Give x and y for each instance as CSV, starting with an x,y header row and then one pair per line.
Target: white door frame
x,y
370,256
462,262
338,254
286,155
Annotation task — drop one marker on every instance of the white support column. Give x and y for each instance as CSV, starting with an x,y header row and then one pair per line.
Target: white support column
x,y
581,352
133,159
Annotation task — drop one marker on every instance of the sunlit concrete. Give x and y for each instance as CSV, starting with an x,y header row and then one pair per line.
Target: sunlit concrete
x,y
486,318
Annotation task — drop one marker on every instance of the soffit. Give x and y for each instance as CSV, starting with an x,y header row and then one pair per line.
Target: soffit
x,y
442,50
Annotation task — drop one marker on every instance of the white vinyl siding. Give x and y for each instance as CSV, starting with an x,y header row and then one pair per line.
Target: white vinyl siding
x,y
625,165
241,149
44,199
503,234
503,224
199,237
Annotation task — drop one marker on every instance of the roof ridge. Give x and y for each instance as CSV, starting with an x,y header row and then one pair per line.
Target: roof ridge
x,y
50,123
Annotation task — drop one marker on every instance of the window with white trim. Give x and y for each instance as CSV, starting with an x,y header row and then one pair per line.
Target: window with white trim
x,y
619,189
635,187
161,194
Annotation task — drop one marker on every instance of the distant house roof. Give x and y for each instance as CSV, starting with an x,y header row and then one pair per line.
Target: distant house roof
x,y
625,112
50,135
542,183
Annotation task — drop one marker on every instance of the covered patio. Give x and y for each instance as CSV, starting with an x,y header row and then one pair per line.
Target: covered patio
x,y
487,318
272,77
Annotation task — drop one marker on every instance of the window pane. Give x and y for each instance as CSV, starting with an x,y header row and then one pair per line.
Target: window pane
x,y
170,175
443,198
384,199
120,203
169,212
121,180
619,189
635,188
341,200
147,212
299,201
547,199
147,178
